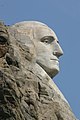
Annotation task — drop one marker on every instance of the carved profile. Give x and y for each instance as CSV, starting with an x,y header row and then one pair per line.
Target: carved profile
x,y
38,36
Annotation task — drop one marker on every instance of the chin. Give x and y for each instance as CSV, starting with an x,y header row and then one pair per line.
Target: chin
x,y
53,73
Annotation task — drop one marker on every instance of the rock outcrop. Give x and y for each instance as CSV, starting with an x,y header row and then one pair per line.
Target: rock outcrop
x,y
26,90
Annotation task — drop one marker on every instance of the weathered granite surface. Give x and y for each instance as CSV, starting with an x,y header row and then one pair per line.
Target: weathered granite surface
x,y
27,92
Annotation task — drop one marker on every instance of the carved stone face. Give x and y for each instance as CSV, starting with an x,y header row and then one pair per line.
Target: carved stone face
x,y
48,50
46,44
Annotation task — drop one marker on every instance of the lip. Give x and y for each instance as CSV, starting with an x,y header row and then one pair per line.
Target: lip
x,y
55,59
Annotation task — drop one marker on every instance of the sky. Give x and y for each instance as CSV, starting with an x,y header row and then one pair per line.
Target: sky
x,y
63,16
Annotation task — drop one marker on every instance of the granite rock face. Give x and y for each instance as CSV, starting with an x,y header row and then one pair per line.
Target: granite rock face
x,y
26,91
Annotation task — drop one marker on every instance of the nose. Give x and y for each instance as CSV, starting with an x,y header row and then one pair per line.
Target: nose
x,y
57,51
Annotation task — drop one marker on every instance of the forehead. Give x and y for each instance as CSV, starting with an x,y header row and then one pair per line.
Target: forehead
x,y
40,32
35,29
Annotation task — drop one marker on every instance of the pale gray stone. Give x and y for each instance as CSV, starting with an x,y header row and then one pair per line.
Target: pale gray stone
x,y
27,64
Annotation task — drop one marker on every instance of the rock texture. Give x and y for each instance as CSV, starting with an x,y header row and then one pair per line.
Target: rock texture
x,y
26,91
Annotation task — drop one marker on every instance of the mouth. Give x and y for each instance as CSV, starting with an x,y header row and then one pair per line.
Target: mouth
x,y
55,59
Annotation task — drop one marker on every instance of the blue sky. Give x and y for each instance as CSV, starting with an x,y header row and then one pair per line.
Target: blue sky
x,y
64,17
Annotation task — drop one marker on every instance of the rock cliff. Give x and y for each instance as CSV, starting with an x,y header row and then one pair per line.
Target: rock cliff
x,y
26,90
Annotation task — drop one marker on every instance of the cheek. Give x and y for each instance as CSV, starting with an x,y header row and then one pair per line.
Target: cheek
x,y
42,49
42,54
43,57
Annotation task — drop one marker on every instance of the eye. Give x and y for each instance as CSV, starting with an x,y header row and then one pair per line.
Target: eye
x,y
3,40
47,39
